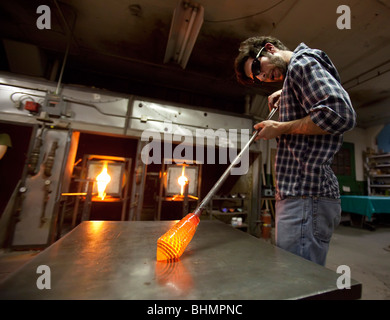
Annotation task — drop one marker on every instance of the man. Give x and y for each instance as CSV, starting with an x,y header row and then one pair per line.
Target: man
x,y
314,112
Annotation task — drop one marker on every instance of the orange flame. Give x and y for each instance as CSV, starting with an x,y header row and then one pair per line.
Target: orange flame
x,y
102,180
182,181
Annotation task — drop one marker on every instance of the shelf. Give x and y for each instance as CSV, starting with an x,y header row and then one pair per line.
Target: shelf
x,y
228,199
220,213
380,185
382,165
227,202
378,181
243,225
378,156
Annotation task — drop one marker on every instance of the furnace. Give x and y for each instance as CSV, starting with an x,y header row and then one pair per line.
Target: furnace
x,y
177,177
179,183
103,178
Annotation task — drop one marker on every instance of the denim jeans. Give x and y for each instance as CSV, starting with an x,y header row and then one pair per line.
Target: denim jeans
x,y
304,225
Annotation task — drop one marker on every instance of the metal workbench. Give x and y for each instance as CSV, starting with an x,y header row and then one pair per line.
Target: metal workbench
x,y
117,260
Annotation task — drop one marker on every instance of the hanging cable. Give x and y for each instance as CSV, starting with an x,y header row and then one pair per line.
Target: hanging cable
x,y
245,17
70,35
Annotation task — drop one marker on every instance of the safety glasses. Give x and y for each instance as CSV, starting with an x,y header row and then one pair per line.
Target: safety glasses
x,y
256,66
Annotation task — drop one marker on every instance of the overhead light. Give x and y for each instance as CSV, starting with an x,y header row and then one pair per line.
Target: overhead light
x,y
186,23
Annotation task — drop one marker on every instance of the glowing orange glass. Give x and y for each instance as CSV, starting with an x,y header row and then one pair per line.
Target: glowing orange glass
x,y
172,244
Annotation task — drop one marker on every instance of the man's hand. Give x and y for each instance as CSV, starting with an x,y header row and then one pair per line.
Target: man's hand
x,y
274,99
269,129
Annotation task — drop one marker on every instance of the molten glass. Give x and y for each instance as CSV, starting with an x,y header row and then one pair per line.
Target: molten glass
x,y
172,244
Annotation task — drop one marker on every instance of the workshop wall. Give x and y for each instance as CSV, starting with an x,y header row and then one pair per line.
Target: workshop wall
x,y
384,139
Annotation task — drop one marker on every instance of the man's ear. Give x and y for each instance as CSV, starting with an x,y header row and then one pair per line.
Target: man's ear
x,y
270,47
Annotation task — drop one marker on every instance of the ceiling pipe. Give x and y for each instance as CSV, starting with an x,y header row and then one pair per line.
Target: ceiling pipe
x,y
376,73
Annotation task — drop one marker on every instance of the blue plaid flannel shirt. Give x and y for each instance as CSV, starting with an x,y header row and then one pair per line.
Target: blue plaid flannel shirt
x,y
303,162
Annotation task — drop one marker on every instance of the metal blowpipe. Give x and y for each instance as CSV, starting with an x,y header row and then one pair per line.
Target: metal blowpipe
x,y
172,244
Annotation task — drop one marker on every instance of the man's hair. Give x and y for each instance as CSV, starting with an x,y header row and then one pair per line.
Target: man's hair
x,y
249,49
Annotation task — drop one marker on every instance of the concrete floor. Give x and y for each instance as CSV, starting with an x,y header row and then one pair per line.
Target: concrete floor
x,y
367,253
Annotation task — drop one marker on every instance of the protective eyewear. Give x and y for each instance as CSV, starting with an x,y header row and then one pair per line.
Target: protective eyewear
x,y
256,66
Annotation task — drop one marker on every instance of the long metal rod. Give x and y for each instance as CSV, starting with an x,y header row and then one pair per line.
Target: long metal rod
x,y
199,209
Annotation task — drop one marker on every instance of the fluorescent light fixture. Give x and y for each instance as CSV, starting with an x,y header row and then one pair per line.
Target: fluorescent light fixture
x,y
186,23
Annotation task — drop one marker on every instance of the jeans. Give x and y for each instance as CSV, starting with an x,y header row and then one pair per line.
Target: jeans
x,y
304,225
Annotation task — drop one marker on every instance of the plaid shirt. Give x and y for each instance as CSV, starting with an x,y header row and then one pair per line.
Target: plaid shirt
x,y
303,162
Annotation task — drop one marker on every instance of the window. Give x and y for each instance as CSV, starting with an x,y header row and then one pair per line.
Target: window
x,y
342,162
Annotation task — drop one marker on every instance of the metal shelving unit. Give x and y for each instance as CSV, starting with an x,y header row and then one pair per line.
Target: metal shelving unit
x,y
226,208
378,174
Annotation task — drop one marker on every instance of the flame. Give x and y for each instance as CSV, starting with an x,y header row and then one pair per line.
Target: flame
x,y
182,181
102,180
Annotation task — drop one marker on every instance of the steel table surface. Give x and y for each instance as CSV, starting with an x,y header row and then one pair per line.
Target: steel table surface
x,y
117,260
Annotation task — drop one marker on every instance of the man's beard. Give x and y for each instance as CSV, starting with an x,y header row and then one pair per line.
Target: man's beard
x,y
278,63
